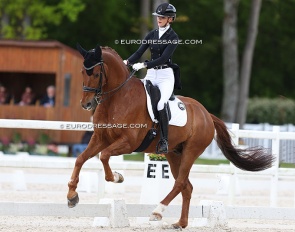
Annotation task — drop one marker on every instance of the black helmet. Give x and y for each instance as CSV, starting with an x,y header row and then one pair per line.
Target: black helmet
x,y
165,9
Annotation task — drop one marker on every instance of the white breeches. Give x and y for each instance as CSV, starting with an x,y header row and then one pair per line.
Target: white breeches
x,y
164,79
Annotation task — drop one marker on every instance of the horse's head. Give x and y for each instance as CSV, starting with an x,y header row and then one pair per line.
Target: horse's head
x,y
93,72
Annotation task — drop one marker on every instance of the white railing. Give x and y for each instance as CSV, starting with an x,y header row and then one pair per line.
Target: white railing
x,y
287,146
276,136
116,214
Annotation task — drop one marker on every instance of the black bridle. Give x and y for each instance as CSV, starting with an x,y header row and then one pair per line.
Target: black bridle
x,y
98,91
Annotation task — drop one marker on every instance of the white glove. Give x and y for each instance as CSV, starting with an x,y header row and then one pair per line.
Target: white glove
x,y
125,62
138,66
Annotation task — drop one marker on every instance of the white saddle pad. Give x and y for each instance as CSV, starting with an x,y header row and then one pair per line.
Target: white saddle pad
x,y
177,108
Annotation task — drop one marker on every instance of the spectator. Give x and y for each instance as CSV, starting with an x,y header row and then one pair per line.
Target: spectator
x,y
28,97
77,149
4,96
86,137
49,99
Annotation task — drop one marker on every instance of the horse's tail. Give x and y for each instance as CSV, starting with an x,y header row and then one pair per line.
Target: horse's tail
x,y
250,159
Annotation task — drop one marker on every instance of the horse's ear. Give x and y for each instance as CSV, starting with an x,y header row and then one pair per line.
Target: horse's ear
x,y
97,53
81,50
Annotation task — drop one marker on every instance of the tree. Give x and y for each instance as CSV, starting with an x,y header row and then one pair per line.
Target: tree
x,y
27,19
230,61
241,111
236,87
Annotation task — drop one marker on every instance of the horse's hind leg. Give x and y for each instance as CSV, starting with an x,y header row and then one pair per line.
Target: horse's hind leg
x,y
186,199
180,168
174,162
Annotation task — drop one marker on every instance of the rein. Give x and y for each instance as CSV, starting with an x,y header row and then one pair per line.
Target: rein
x,y
98,91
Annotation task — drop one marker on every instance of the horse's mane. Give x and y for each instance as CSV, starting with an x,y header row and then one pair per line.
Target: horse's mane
x,y
113,52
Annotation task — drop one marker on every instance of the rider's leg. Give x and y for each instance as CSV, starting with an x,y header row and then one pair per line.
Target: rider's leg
x,y
165,82
162,146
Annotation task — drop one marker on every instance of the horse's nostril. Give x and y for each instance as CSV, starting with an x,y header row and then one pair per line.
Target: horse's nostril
x,y
88,104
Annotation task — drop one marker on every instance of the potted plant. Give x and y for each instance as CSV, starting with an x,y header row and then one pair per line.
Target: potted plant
x,y
41,147
157,157
16,143
4,144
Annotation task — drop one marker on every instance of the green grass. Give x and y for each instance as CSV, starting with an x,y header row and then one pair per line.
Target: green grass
x,y
287,165
140,157
135,157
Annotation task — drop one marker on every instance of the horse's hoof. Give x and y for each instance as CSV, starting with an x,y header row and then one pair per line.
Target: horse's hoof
x,y
72,202
156,217
176,226
119,178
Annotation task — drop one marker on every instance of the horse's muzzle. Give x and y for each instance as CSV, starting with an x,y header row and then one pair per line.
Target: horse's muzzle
x,y
88,105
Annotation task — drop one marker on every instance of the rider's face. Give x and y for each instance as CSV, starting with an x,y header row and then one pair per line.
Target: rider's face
x,y
162,21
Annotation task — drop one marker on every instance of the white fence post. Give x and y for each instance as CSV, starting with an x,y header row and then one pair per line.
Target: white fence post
x,y
233,176
118,216
274,177
216,217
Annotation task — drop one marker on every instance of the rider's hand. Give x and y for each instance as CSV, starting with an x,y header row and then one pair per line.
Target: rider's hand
x,y
125,62
138,66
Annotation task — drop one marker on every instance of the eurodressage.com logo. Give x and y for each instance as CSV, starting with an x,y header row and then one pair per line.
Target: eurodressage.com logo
x,y
91,126
156,41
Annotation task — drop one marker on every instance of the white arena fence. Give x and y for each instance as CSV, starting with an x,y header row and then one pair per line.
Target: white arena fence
x,y
287,146
276,136
115,213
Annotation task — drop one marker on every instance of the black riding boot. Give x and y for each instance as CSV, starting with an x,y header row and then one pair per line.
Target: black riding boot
x,y
162,146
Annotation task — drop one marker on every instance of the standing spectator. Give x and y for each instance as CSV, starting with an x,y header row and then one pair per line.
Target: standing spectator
x,y
49,99
4,96
28,97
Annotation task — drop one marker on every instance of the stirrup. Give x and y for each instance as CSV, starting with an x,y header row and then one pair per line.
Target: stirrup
x,y
162,147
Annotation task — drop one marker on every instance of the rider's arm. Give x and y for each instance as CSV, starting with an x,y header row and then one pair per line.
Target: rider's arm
x,y
143,47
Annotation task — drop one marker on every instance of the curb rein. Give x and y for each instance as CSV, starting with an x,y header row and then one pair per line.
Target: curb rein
x,y
98,91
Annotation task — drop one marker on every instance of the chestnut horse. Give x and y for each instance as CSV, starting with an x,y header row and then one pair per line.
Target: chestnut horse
x,y
120,98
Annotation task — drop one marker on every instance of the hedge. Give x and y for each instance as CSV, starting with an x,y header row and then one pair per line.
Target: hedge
x,y
277,111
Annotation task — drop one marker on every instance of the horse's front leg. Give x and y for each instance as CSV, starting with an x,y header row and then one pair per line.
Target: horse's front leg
x,y
121,146
91,150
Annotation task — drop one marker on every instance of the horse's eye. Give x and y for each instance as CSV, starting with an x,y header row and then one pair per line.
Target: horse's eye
x,y
96,75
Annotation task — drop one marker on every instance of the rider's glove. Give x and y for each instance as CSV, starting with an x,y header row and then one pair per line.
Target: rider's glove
x,y
138,66
125,62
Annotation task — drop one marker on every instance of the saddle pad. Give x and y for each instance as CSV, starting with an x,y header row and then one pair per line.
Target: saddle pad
x,y
177,108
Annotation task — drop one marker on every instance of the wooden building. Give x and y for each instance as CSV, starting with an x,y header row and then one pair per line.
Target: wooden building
x,y
39,64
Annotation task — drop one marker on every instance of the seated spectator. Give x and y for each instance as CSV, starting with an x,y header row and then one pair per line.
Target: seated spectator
x,y
86,137
28,97
49,99
77,149
4,96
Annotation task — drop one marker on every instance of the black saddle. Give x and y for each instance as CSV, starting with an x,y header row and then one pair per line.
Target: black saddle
x,y
155,96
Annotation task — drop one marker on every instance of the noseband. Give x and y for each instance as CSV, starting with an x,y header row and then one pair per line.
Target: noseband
x,y
98,91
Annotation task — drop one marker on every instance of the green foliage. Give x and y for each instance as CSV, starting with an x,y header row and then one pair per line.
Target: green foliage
x,y
276,111
43,139
157,157
101,22
27,19
92,22
16,137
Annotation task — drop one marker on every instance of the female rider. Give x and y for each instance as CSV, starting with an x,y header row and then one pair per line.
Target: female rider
x,y
162,43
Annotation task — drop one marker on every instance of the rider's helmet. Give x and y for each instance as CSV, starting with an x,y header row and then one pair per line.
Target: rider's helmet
x,y
166,10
